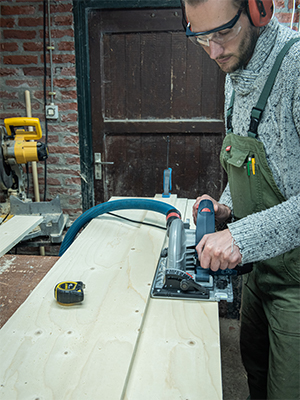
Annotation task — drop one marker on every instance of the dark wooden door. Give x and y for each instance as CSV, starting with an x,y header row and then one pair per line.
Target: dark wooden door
x,y
149,83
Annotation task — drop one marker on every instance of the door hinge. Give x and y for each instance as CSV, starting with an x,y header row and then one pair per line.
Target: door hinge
x,y
98,165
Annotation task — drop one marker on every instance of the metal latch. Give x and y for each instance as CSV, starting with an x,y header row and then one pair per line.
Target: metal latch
x,y
98,165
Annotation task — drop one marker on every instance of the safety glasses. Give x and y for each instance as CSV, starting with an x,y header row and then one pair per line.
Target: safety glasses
x,y
220,35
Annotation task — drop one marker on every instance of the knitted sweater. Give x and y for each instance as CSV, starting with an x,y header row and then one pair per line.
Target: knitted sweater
x,y
271,232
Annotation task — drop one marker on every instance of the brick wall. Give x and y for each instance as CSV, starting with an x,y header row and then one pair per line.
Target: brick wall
x,y
21,68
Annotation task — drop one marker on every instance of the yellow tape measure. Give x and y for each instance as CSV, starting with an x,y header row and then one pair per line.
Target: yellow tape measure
x,y
69,292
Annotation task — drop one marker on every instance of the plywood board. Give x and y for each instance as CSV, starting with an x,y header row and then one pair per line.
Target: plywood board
x,y
15,229
178,355
118,343
84,351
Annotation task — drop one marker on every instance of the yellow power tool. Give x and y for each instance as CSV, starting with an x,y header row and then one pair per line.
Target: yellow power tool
x,y
19,145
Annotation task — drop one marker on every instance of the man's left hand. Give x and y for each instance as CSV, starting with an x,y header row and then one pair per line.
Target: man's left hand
x,y
218,251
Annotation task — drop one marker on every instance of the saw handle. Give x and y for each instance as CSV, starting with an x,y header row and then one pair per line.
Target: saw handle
x,y
205,225
205,219
18,122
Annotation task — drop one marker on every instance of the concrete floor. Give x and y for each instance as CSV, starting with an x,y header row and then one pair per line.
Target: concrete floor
x,y
233,373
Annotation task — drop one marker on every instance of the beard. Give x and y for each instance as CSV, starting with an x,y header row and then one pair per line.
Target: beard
x,y
244,52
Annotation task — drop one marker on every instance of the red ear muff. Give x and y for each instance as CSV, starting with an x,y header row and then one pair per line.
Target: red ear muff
x,y
260,11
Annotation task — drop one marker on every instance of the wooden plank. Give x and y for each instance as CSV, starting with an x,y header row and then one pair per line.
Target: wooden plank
x,y
84,351
14,230
178,356
178,352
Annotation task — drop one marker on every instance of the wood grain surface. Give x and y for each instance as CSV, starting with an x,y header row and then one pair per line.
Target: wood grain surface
x,y
94,350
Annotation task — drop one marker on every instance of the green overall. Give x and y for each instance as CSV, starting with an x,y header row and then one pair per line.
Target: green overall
x,y
270,315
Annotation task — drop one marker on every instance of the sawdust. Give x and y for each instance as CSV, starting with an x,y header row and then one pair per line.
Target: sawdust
x,y
6,264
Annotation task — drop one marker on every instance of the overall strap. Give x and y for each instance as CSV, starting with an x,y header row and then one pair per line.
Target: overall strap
x,y
229,114
257,111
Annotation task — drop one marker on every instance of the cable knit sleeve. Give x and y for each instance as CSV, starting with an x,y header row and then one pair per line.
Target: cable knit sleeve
x,y
226,197
268,233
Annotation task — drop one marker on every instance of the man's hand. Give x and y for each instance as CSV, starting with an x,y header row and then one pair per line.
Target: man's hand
x,y
222,212
218,251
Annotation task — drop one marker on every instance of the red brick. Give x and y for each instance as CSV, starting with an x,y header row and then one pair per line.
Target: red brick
x,y
20,82
62,171
66,46
35,106
69,118
17,10
61,8
52,160
284,17
68,107
64,149
9,46
68,94
63,58
8,95
59,33
31,21
33,46
66,128
7,22
66,191
291,2
15,105
73,201
64,83
65,71
18,34
279,4
8,71
72,181
53,138
72,160
33,71
63,20
38,94
7,115
20,60
53,181
71,140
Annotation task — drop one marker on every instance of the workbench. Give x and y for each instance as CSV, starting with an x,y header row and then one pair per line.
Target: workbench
x,y
119,343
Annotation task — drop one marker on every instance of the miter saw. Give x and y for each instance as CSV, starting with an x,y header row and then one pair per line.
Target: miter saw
x,y
179,274
19,145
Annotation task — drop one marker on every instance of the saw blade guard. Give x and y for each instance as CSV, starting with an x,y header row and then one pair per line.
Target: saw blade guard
x,y
177,246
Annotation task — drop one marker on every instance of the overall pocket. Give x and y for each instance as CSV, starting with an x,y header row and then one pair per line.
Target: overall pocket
x,y
244,179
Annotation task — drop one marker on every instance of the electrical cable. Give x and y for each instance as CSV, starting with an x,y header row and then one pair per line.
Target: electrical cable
x,y
137,222
45,95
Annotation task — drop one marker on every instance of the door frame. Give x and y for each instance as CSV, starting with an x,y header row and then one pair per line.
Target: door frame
x,y
81,9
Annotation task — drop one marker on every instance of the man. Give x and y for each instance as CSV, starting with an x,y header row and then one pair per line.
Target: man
x,y
261,202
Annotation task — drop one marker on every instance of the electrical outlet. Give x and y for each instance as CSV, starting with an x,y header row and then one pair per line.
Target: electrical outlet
x,y
52,112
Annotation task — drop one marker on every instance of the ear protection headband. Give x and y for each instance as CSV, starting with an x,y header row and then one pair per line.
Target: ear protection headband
x,y
260,12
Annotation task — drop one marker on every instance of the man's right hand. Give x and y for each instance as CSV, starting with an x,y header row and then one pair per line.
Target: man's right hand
x,y
222,212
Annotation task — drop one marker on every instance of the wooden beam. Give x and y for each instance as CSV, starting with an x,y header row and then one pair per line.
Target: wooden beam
x,y
15,229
